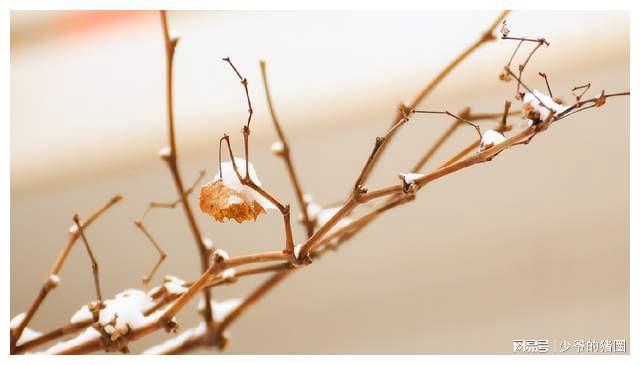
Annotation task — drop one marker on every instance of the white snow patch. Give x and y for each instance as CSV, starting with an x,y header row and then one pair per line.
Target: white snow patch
x,y
129,306
173,288
174,285
89,334
410,178
15,321
326,214
231,181
208,243
82,315
54,280
277,147
221,309
228,274
177,341
320,215
222,253
164,152
296,250
313,209
491,138
534,100
27,335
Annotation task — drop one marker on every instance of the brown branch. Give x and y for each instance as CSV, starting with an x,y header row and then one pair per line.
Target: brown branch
x,y
333,240
172,160
140,224
246,128
246,179
574,108
52,335
487,36
55,270
94,263
546,81
285,154
583,89
458,118
162,255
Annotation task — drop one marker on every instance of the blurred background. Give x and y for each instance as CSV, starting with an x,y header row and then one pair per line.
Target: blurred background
x,y
534,245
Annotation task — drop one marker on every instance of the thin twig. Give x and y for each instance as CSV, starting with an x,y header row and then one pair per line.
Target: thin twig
x,y
94,263
546,81
458,118
286,153
246,180
172,160
140,224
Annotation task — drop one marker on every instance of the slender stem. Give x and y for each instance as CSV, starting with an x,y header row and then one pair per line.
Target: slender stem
x,y
546,81
140,224
313,241
458,118
172,160
286,153
246,130
94,263
579,104
52,335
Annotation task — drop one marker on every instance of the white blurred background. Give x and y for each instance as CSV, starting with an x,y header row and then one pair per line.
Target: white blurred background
x,y
534,245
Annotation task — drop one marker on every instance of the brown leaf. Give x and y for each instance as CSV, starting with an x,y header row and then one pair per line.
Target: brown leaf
x,y
219,201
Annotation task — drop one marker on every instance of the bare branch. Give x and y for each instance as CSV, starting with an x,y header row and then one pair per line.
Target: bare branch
x,y
140,224
94,263
172,159
286,153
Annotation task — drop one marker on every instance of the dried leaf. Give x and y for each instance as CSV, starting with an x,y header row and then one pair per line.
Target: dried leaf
x,y
219,201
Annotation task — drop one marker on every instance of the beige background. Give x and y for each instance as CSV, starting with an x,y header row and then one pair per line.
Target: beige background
x,y
534,245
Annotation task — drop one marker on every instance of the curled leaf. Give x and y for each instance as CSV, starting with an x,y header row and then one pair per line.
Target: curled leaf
x,y
219,201
226,196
